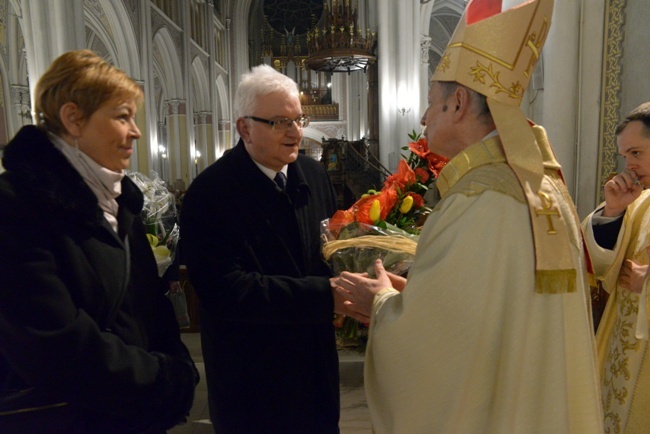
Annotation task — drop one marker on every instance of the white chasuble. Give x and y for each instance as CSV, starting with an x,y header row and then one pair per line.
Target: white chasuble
x,y
623,354
469,346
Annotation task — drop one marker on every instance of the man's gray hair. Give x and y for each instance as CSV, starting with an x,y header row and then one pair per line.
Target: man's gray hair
x,y
261,80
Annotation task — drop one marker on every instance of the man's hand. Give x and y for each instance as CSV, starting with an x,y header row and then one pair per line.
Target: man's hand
x,y
359,290
632,276
620,191
342,306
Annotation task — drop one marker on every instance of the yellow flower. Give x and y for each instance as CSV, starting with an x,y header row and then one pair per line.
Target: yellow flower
x,y
375,211
153,240
406,205
160,253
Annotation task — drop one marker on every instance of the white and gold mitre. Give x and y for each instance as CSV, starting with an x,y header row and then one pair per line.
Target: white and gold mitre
x,y
494,52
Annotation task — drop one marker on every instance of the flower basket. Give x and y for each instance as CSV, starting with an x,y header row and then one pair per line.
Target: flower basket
x,y
383,225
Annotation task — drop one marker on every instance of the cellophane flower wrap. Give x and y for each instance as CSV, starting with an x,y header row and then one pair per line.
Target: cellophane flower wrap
x,y
159,215
383,224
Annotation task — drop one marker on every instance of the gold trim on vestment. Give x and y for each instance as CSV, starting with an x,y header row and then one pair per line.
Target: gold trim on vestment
x,y
555,267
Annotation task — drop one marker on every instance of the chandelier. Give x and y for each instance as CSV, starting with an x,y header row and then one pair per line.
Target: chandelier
x,y
339,45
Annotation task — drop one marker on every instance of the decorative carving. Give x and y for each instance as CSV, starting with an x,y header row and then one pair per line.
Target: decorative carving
x,y
202,118
425,45
98,11
609,115
176,107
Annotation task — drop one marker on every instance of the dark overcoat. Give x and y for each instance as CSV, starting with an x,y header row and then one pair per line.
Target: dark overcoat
x,y
88,341
254,257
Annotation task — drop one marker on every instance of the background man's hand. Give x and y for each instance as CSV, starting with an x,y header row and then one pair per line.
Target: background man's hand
x,y
632,276
620,191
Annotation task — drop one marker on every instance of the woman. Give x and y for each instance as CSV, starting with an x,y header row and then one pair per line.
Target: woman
x,y
88,341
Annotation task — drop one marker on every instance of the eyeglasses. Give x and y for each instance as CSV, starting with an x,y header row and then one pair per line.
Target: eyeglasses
x,y
282,124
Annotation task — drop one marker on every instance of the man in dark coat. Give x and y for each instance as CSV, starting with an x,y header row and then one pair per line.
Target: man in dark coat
x,y
253,254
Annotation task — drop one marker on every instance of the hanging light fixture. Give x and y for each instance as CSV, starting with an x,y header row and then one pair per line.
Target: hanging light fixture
x,y
339,45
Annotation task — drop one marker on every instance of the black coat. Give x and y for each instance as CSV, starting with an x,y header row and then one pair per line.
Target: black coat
x,y
83,316
254,257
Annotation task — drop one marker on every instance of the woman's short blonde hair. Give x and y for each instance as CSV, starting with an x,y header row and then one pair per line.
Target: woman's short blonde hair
x,y
84,78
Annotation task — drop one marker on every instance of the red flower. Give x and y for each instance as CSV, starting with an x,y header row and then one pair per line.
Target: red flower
x,y
435,163
422,174
420,148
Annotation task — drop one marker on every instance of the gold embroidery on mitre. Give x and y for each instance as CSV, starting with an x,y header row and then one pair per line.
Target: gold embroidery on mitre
x,y
515,91
444,63
535,44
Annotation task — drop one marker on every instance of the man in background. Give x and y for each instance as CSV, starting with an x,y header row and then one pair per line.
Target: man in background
x,y
618,232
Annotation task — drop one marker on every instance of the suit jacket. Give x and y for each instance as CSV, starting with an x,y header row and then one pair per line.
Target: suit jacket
x,y
86,333
254,257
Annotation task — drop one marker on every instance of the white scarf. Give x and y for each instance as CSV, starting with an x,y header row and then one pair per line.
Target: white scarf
x,y
106,184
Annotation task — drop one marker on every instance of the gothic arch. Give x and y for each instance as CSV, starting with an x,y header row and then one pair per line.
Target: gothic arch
x,y
200,86
169,61
222,103
123,38
116,33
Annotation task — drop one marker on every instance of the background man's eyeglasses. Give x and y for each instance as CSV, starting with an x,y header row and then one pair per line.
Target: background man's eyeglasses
x,y
282,124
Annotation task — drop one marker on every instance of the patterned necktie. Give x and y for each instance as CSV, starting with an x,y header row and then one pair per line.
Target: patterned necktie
x,y
280,179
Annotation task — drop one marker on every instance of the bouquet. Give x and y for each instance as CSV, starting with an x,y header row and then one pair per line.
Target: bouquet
x,y
159,216
383,224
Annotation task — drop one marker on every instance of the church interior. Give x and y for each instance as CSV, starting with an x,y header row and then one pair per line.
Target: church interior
x,y
363,68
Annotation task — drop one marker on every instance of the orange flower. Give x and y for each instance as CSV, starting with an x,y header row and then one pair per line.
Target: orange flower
x,y
420,148
387,198
403,178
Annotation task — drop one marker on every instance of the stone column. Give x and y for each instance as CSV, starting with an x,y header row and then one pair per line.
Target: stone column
x,y
178,146
399,86
50,28
204,139
224,136
425,46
